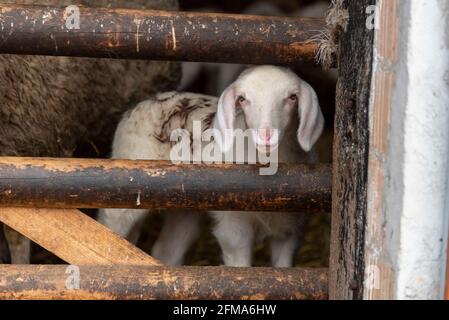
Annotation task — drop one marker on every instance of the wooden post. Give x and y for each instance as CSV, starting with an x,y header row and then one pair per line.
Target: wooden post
x,y
158,35
351,143
378,265
97,183
142,283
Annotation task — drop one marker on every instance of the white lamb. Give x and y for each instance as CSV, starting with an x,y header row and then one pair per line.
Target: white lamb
x,y
284,112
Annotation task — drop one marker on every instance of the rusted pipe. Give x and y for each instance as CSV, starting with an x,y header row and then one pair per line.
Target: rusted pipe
x,y
144,283
89,183
447,274
158,35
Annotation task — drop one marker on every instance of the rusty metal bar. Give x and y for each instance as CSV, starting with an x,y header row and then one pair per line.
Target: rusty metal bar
x,y
158,35
104,183
143,283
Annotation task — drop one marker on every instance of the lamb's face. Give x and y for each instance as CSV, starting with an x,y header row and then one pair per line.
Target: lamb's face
x,y
270,99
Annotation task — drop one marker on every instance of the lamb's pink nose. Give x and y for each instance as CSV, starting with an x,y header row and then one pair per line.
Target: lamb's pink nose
x,y
265,135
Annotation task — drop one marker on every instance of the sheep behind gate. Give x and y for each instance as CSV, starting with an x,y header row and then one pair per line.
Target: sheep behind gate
x,y
283,114
49,105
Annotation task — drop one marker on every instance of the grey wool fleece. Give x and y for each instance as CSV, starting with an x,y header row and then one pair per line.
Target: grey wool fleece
x,y
48,105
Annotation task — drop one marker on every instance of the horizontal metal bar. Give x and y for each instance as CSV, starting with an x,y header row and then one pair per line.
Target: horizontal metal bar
x,y
104,183
158,35
143,283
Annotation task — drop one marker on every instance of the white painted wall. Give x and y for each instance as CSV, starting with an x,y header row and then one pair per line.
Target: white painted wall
x,y
416,203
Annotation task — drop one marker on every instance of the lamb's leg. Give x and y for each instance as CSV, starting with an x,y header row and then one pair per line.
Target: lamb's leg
x,y
283,251
124,222
179,231
235,234
19,246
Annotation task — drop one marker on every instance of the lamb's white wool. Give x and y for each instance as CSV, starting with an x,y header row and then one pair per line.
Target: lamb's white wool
x,y
265,99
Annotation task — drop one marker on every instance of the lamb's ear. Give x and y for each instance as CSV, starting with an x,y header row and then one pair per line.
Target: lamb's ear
x,y
311,120
224,120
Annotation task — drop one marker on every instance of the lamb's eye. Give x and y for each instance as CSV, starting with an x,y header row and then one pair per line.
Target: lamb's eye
x,y
293,98
241,99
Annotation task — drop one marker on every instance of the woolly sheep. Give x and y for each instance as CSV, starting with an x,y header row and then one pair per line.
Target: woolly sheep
x,y
266,99
51,105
